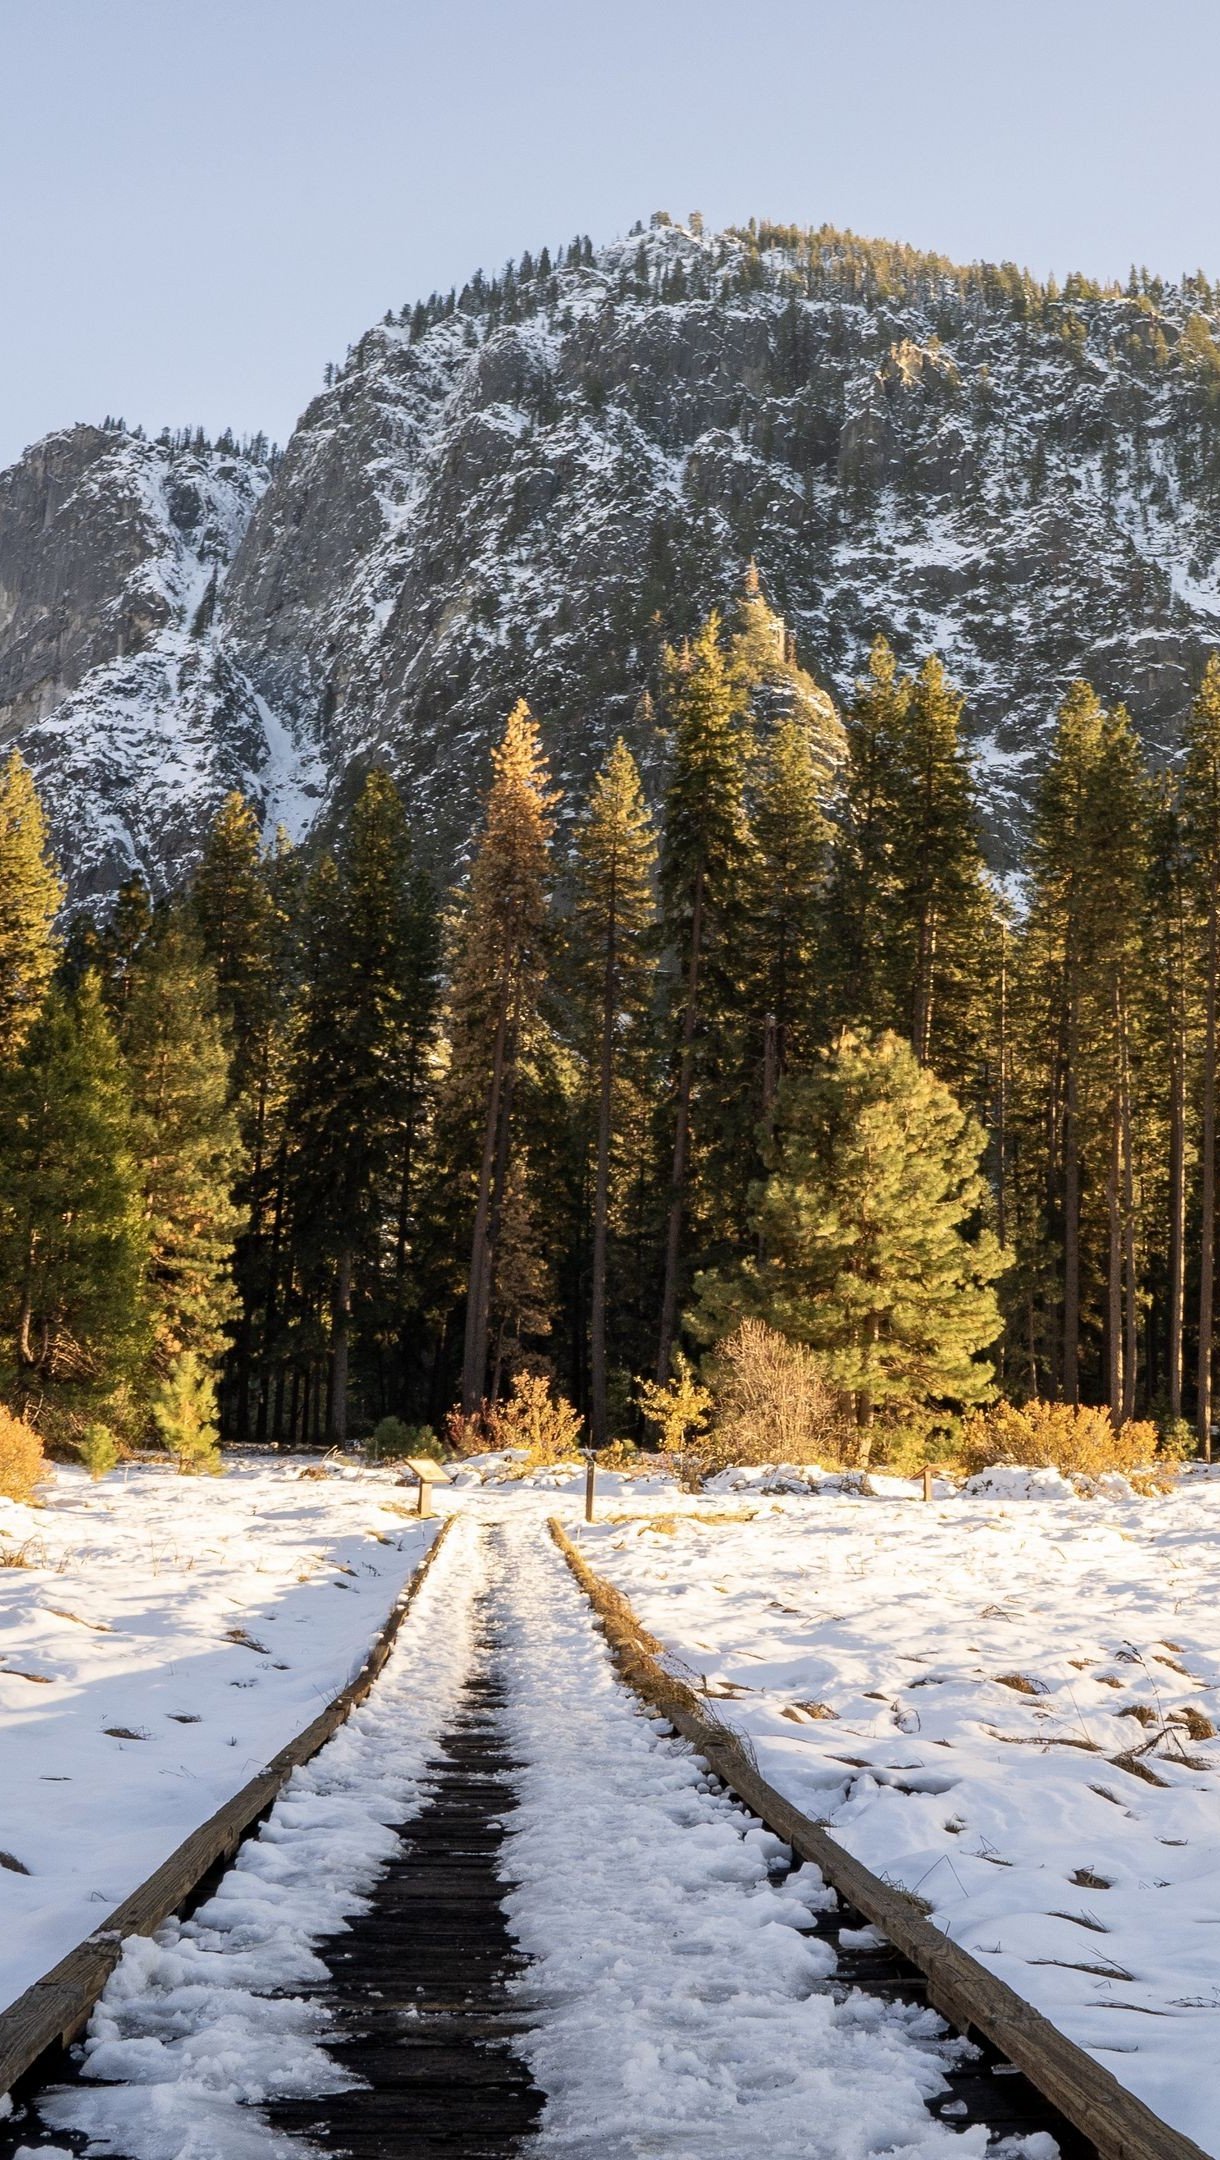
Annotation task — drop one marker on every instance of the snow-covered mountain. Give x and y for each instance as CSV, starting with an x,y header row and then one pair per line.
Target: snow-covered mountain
x,y
525,490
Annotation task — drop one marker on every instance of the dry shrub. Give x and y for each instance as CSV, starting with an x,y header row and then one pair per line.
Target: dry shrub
x,y
1076,1439
621,1455
774,1404
22,1463
545,1425
677,1408
468,1435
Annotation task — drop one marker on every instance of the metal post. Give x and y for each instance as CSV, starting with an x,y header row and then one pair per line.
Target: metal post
x,y
590,1474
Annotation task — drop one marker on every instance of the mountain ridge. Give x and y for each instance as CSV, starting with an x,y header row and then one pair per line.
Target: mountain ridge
x,y
526,488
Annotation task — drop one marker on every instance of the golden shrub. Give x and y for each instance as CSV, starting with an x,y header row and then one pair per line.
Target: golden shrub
x,y
1077,1439
545,1425
22,1463
773,1403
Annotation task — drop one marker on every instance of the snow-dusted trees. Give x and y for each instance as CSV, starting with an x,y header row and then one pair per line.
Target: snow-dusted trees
x,y
440,1166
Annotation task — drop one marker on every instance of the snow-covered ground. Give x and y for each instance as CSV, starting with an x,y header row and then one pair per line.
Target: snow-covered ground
x,y
164,1638
1005,1702
677,2011
1001,1701
199,2025
674,2007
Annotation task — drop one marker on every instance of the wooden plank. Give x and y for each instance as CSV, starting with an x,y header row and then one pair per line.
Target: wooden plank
x,y
963,1990
55,2009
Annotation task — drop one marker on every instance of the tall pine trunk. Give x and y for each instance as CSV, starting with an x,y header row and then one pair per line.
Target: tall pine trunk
x,y
1070,1377
925,975
1177,1216
1207,1233
1114,1264
340,1330
1131,1355
478,1293
677,1188
598,1427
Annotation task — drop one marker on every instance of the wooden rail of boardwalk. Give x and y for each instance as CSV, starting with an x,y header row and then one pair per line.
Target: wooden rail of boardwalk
x,y
55,2009
965,1992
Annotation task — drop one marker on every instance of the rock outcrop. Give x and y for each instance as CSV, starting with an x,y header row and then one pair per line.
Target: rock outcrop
x,y
527,492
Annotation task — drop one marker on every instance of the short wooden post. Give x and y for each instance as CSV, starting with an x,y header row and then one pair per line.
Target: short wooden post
x,y
927,1481
427,1474
590,1475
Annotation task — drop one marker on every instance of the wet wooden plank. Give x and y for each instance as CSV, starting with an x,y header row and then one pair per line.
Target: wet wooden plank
x,y
418,1988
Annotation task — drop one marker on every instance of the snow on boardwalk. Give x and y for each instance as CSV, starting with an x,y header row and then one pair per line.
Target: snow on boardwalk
x,y
188,2037
164,1638
949,1687
675,2009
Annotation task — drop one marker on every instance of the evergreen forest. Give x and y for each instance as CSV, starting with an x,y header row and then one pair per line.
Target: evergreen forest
x,y
313,1144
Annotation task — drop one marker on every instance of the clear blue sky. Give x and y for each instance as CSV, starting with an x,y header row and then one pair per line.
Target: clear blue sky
x,y
202,201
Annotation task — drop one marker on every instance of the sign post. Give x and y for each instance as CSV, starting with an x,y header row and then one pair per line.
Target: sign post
x,y
427,1474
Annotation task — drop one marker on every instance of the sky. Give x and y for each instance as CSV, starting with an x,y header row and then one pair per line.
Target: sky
x,y
203,201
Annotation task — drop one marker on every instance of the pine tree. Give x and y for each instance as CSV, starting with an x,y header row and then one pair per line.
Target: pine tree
x,y
1168,945
704,881
1119,905
523,1291
186,1141
30,896
1085,1021
1201,830
911,916
942,888
235,912
184,1412
1057,955
862,903
499,970
869,1226
244,902
614,964
360,1081
72,1244
789,874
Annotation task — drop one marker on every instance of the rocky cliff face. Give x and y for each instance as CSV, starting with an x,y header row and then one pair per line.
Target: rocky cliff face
x,y
527,493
